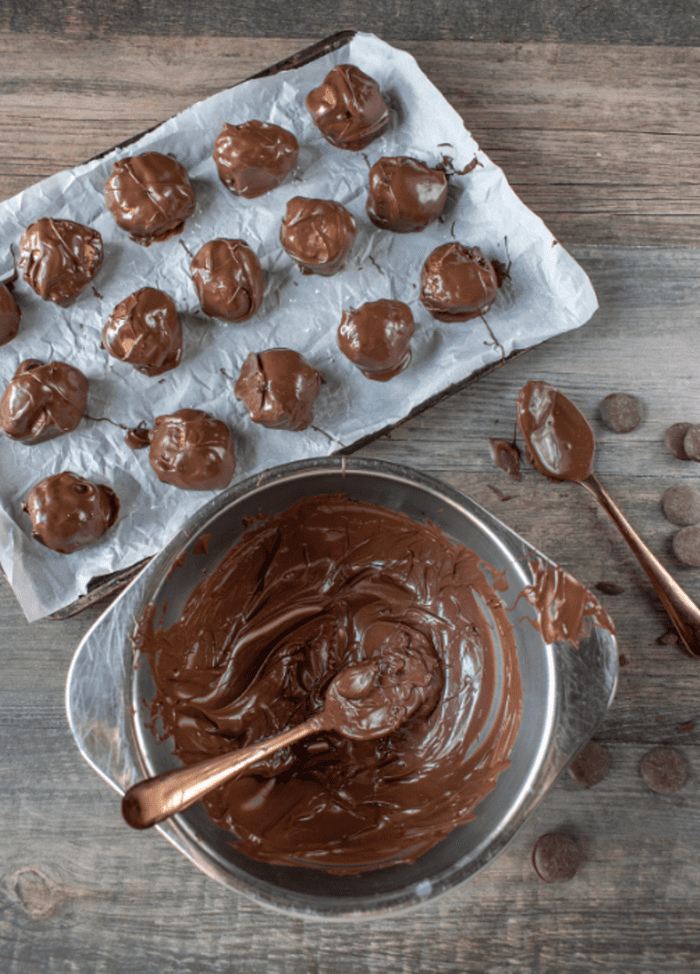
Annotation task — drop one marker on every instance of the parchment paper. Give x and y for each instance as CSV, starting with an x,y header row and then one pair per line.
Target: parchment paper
x,y
548,293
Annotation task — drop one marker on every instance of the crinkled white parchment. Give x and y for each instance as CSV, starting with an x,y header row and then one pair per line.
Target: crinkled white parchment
x,y
548,293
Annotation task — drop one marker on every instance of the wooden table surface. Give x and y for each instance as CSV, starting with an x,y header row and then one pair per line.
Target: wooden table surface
x,y
595,118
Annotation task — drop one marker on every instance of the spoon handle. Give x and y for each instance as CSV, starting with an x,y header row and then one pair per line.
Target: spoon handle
x,y
155,799
684,614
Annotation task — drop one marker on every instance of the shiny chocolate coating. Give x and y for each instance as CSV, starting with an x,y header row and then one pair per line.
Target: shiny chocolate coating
x,y
348,108
42,401
58,258
376,338
559,443
254,157
405,195
69,513
10,315
150,197
228,279
145,331
458,283
278,388
192,450
317,234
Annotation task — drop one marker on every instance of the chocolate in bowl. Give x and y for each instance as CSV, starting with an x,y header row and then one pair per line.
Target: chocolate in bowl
x,y
565,691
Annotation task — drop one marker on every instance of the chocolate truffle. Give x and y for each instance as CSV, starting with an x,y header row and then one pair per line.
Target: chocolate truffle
x,y
59,257
69,513
150,197
10,316
192,450
348,108
278,388
405,195
317,234
43,400
254,157
228,279
376,338
458,283
145,331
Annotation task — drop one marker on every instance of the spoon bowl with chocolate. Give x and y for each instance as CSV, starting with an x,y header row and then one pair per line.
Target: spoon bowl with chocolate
x,y
559,443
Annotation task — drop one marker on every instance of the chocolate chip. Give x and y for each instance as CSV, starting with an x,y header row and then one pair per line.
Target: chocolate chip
x,y
674,437
621,412
681,504
609,588
591,764
556,857
664,770
686,546
691,443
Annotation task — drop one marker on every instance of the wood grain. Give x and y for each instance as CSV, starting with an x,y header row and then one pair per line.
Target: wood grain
x,y
79,892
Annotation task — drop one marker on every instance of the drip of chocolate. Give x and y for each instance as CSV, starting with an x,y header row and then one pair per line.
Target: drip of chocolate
x,y
228,279
254,157
559,442
458,283
506,456
10,315
317,234
145,331
150,197
325,585
278,387
69,513
405,195
348,108
58,258
191,450
376,338
42,401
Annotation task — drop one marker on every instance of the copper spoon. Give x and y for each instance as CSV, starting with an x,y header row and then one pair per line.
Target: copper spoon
x,y
560,444
365,700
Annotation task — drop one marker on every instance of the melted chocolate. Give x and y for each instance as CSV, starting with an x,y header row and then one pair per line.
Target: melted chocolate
x,y
228,279
192,450
145,331
405,195
559,442
348,108
43,400
254,157
376,338
330,584
150,197
317,234
278,387
69,513
10,315
506,456
58,258
458,283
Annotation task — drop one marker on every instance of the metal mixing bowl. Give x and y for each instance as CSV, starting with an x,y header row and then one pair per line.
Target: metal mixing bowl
x,y
566,690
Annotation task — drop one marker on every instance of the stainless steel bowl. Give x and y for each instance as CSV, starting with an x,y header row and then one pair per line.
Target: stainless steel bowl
x,y
566,690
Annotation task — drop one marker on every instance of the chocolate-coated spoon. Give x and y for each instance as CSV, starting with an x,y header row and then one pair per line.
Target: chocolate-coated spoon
x,y
363,701
560,444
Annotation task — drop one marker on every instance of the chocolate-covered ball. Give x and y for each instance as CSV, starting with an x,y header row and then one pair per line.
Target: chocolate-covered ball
x,y
43,400
192,450
10,315
376,338
150,197
405,195
254,157
317,234
348,108
228,279
145,331
278,388
69,513
458,283
57,258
